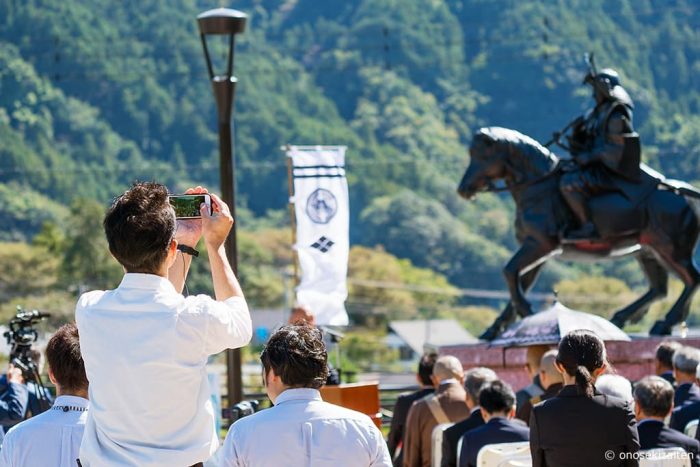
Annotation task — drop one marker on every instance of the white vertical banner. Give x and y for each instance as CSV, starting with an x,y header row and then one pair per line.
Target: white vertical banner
x,y
323,219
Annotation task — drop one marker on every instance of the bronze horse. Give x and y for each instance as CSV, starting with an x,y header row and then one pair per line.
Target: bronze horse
x,y
657,220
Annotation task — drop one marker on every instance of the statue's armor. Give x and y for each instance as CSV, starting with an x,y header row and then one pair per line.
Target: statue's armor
x,y
600,137
603,145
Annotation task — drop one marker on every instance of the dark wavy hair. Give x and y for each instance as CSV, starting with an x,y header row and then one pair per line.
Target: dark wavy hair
x,y
139,227
297,355
581,352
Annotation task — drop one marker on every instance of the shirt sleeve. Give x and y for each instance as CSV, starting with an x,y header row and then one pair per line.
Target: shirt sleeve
x,y
6,452
381,451
228,324
228,455
13,403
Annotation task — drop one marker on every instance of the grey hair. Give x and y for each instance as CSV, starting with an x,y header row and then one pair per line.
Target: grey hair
x,y
616,386
475,379
654,396
686,359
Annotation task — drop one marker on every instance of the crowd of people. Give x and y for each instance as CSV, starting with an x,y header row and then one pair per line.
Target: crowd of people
x,y
577,411
132,390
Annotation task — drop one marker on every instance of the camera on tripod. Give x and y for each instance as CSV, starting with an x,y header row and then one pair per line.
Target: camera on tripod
x,y
20,336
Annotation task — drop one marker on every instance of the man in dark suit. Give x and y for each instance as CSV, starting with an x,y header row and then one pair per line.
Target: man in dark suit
x,y
532,367
664,360
474,380
551,381
497,401
685,364
653,397
404,402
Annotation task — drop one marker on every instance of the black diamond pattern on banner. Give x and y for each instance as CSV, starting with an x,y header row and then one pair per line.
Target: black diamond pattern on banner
x,y
323,244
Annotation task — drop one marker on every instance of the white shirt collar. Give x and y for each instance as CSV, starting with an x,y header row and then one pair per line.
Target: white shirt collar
x,y
136,280
72,401
298,394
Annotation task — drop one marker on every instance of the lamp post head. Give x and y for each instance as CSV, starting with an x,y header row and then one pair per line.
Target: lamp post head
x,y
220,22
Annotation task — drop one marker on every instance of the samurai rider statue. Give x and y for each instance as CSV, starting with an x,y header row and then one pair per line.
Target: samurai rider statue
x,y
603,145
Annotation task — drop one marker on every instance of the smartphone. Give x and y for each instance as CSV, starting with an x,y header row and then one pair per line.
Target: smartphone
x,y
187,206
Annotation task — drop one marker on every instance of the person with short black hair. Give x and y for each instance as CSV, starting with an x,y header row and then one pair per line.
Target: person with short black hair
x,y
53,437
497,402
685,365
303,428
581,426
663,360
653,398
146,346
403,404
474,380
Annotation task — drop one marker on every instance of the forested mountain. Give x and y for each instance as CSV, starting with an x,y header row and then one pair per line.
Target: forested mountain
x,y
95,94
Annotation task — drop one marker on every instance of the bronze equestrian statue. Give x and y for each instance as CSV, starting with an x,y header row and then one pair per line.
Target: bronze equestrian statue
x,y
599,204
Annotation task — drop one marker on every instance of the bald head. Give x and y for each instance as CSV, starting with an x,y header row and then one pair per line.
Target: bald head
x,y
534,355
548,371
447,367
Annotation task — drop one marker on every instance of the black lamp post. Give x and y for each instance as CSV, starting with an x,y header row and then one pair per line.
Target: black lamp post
x,y
224,21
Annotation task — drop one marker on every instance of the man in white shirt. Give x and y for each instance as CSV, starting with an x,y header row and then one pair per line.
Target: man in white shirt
x,y
146,346
301,429
52,438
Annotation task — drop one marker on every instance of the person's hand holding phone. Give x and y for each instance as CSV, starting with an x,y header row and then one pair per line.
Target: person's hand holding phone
x,y
217,225
189,231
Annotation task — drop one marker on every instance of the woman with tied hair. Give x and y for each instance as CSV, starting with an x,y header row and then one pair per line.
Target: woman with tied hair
x,y
581,426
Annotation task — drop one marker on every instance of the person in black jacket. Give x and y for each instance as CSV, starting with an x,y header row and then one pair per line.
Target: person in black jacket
x,y
663,360
685,364
581,426
404,402
653,397
474,380
497,401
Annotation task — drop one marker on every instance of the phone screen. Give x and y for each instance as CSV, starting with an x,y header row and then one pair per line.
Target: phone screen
x,y
187,206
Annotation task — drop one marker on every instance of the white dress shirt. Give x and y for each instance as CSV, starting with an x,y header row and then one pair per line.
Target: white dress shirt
x,y
145,348
302,430
51,438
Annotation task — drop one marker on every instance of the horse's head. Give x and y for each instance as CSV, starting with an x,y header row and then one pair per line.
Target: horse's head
x,y
499,153
486,165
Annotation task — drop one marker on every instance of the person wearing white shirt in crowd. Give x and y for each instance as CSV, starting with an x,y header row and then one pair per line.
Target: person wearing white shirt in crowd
x,y
52,438
146,346
301,429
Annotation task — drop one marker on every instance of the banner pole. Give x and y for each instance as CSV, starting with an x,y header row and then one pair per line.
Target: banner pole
x,y
292,222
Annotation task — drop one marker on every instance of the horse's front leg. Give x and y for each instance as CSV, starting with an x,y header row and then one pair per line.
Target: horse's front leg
x,y
521,273
523,267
